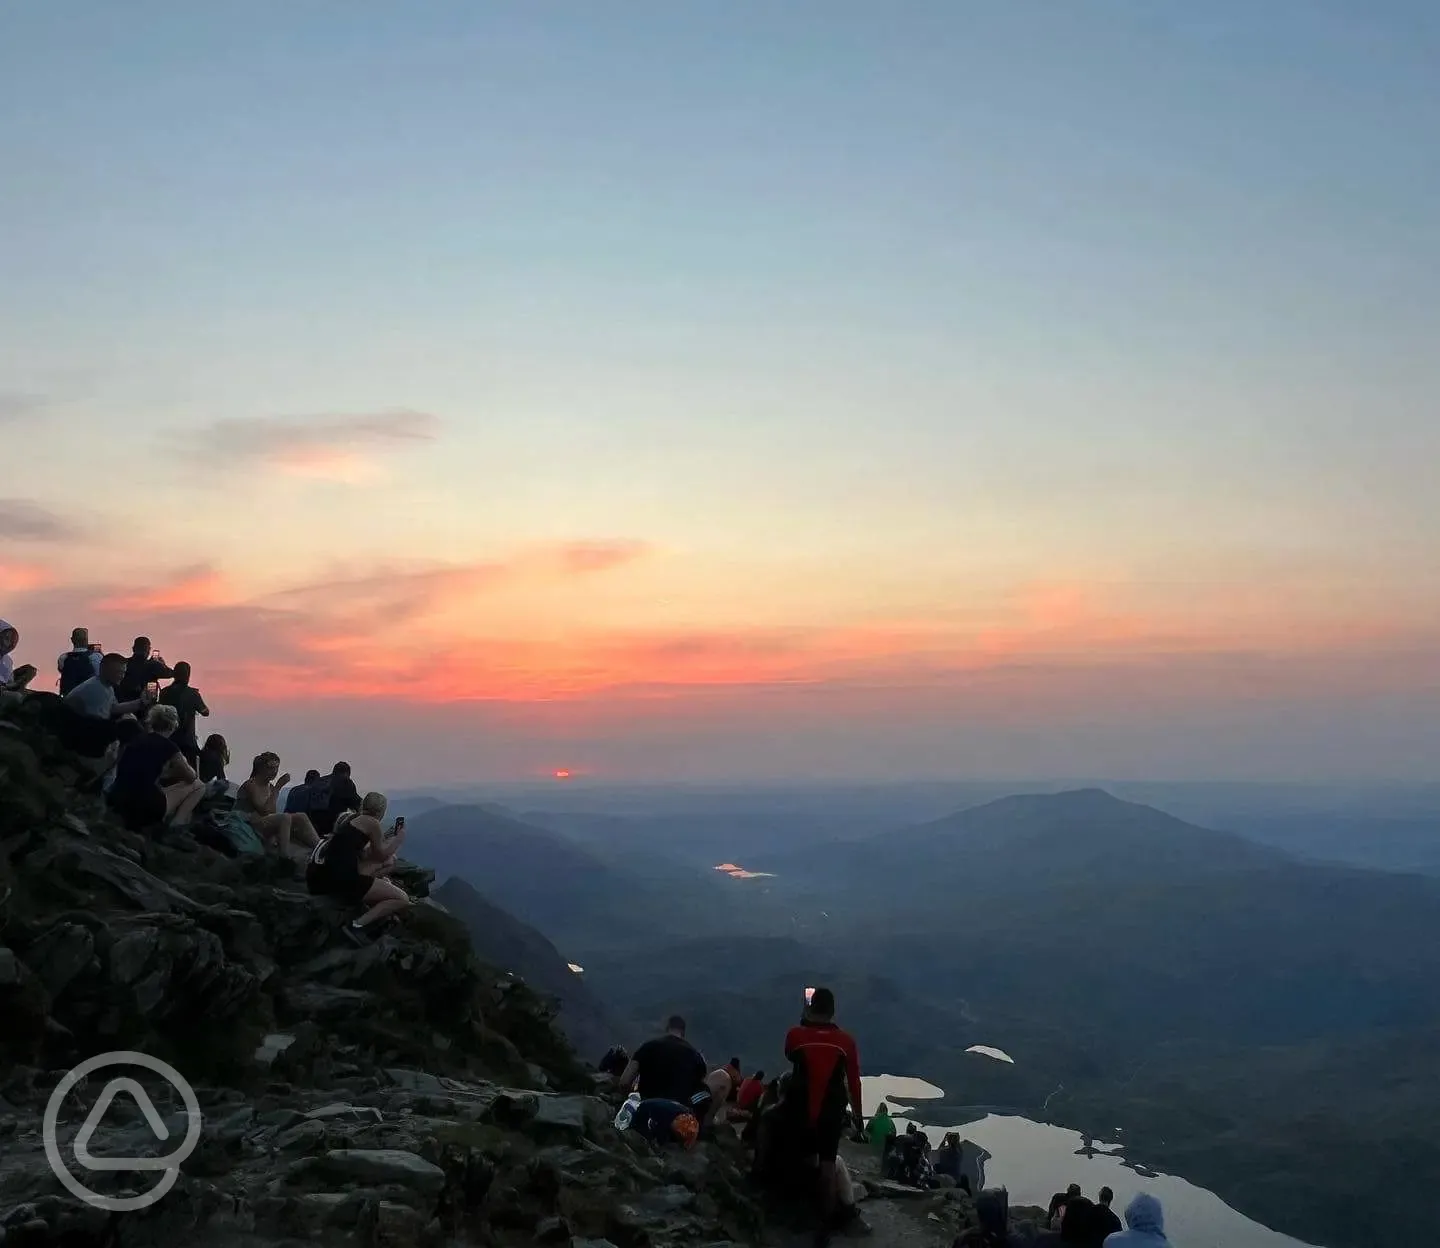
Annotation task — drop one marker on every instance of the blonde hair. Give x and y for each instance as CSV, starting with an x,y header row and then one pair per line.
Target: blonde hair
x,y
162,719
374,805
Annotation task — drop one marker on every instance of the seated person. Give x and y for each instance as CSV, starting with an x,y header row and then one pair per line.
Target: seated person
x,y
616,1058
96,697
333,796
881,1131
12,679
78,663
214,758
948,1157
153,782
297,801
255,803
346,863
668,1068
751,1090
722,1085
666,1122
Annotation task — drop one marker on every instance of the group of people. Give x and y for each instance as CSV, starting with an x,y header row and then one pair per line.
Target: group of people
x,y
138,743
795,1124
1076,1219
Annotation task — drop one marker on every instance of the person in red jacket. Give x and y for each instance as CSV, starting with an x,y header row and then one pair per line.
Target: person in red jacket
x,y
826,1076
751,1090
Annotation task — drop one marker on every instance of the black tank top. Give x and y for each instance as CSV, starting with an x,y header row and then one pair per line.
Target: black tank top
x,y
341,850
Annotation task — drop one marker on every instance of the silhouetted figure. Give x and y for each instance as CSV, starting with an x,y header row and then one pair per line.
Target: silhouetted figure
x,y
188,703
142,668
78,663
297,800
214,758
1145,1220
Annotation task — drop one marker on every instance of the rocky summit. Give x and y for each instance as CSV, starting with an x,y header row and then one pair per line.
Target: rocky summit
x,y
399,1093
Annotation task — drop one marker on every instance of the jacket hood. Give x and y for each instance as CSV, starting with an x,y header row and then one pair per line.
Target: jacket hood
x,y
1145,1214
5,624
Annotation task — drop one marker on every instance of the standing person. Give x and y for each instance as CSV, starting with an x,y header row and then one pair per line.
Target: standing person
x,y
668,1068
826,1074
214,758
188,703
141,669
78,663
153,781
1146,1221
344,864
255,802
297,801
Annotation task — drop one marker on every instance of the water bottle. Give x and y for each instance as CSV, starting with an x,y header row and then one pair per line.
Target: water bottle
x,y
627,1111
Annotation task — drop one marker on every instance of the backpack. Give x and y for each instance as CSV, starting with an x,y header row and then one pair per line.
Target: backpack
x,y
76,670
317,797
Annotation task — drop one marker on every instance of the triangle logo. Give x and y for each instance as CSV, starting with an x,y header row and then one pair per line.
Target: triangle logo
x,y
93,1119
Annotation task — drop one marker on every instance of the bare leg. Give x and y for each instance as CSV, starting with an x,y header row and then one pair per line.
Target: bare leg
x,y
384,899
277,826
181,800
302,831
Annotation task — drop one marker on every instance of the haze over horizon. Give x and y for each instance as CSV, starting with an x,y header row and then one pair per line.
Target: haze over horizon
x,y
745,392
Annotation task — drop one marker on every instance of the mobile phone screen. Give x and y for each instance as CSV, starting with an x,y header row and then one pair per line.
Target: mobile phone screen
x,y
809,995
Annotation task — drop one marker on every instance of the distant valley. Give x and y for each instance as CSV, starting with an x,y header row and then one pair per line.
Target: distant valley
x,y
1248,1017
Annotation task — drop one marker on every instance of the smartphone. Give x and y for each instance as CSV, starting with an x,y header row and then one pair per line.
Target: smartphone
x,y
152,690
96,648
809,997
399,824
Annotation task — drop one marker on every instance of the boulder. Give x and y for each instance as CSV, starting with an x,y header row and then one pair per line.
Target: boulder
x,y
383,1165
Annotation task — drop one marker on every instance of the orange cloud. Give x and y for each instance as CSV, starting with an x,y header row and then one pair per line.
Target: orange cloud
x,y
194,588
24,578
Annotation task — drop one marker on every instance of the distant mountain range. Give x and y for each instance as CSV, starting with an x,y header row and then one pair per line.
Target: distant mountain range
x,y
1237,1010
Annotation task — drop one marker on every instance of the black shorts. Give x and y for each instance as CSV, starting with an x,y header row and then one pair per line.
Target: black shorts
x,y
323,880
139,808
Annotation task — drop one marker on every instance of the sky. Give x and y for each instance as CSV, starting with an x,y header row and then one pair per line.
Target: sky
x,y
727,391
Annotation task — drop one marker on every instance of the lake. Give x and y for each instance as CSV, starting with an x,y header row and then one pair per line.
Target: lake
x,y
1034,1160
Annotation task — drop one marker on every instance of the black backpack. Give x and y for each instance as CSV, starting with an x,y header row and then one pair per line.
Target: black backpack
x,y
317,796
76,670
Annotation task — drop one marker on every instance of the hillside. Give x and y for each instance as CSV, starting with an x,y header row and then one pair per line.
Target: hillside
x,y
1176,980
506,942
585,900
398,1094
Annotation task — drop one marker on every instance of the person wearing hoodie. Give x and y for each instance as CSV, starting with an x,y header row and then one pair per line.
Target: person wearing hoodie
x,y
12,679
1146,1222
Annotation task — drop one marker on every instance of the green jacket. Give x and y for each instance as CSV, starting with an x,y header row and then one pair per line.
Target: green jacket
x,y
881,1128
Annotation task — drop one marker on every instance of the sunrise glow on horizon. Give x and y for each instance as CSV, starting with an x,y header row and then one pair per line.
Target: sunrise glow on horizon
x,y
735,393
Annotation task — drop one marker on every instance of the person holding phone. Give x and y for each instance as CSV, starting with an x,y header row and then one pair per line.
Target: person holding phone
x,y
825,1076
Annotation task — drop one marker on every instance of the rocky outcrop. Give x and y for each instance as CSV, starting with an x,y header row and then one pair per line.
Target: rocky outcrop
x,y
399,1093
